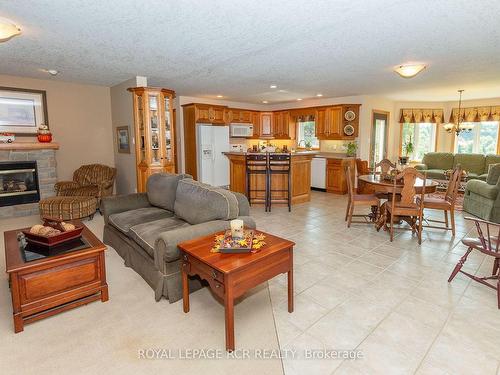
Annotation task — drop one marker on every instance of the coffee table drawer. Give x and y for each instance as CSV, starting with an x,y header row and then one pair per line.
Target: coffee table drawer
x,y
51,281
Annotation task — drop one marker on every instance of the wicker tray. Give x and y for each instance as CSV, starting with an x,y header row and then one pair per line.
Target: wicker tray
x,y
53,240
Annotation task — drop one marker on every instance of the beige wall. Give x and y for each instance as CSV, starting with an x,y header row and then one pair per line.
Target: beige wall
x,y
79,118
122,114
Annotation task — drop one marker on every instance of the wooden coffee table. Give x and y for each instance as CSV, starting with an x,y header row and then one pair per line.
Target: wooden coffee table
x,y
231,275
75,276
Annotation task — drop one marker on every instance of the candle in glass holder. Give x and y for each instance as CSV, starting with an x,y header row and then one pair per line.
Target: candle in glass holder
x,y
237,228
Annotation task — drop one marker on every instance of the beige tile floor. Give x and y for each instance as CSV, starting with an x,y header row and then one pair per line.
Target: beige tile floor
x,y
354,291
357,290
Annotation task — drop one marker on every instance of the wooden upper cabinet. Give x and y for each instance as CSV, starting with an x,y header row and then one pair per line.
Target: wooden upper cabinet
x,y
283,126
266,124
320,121
255,120
209,114
238,115
334,123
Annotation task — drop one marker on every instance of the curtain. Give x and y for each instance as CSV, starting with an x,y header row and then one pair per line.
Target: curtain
x,y
417,115
476,114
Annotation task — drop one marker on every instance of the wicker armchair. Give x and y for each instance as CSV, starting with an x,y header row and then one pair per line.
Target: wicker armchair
x,y
89,180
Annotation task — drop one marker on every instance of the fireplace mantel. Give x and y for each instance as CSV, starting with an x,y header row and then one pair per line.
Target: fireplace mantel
x,y
23,146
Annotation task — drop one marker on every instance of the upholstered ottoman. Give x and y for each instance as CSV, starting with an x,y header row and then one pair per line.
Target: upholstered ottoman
x,y
68,208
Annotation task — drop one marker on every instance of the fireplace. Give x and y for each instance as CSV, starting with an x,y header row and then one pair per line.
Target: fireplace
x,y
18,183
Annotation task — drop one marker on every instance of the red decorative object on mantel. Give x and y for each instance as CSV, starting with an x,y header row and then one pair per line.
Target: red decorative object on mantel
x,y
45,138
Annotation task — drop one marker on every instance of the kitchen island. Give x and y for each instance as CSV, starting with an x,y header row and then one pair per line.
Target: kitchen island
x,y
300,177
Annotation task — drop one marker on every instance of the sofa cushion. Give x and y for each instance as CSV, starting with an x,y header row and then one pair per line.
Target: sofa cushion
x,y
161,189
482,177
123,221
198,203
472,163
438,160
437,174
493,174
146,234
482,188
490,159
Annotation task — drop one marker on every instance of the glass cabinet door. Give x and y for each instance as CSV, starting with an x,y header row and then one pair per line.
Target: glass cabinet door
x,y
167,130
154,129
142,131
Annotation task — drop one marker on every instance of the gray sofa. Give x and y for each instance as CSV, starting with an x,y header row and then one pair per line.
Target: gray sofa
x,y
145,228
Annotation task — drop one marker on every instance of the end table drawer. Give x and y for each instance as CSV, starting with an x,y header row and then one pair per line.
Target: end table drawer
x,y
203,269
50,281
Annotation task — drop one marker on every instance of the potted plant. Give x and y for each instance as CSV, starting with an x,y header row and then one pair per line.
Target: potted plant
x,y
351,149
408,150
308,145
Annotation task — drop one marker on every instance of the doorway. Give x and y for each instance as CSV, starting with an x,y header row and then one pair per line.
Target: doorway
x,y
379,131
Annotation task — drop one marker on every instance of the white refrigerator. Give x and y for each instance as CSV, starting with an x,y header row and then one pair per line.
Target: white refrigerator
x,y
213,166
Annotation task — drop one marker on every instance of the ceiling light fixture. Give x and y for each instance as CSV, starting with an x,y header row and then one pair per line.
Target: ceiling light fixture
x,y
220,96
319,95
299,99
409,70
456,124
265,101
8,30
273,86
53,72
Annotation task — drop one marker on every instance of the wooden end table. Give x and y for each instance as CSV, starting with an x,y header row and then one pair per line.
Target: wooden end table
x,y
231,275
74,276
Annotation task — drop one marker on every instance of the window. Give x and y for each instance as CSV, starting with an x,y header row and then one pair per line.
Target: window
x,y
483,139
307,134
423,137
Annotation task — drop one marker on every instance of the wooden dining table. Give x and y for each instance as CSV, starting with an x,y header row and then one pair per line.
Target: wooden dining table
x,y
378,184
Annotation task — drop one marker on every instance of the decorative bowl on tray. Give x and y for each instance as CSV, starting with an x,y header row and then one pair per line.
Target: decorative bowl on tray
x,y
53,232
249,243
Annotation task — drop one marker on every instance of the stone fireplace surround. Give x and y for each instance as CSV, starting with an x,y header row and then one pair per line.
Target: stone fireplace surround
x,y
45,157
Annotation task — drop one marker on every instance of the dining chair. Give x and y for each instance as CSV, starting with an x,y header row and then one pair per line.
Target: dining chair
x,y
446,203
488,245
364,200
362,169
406,208
385,166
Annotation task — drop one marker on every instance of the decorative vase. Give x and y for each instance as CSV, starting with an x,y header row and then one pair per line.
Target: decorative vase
x,y
45,138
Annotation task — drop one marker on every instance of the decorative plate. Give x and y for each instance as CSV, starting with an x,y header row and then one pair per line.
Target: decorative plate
x,y
349,115
348,129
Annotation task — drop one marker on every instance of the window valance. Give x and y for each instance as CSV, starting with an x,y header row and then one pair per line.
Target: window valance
x,y
476,114
417,115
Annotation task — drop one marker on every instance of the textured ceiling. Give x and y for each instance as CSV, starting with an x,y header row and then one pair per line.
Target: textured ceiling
x,y
237,48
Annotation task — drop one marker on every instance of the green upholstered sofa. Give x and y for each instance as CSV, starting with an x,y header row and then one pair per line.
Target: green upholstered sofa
x,y
482,198
476,165
145,228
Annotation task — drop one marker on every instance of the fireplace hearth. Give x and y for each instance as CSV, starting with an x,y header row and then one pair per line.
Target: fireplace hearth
x,y
18,183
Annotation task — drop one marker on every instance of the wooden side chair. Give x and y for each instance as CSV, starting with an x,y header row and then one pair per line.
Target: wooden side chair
x,y
488,245
406,208
385,166
365,200
362,169
447,203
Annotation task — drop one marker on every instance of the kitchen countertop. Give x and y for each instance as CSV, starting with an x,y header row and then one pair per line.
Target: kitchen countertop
x,y
299,153
318,154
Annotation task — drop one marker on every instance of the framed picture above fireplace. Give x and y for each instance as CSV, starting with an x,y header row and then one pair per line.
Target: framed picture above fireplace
x,y
22,110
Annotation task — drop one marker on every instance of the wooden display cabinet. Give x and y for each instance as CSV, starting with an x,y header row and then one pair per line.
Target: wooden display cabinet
x,y
154,132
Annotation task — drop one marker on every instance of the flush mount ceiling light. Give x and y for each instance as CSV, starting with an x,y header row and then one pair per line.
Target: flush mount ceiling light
x,y
319,95
52,72
265,101
220,96
8,30
409,70
299,99
273,86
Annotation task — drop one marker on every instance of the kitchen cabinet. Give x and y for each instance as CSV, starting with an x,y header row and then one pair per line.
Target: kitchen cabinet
x,y
328,123
283,127
335,177
266,124
238,115
209,114
154,132
255,120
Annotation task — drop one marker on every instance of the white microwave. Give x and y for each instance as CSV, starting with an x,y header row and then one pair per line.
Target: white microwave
x,y
241,130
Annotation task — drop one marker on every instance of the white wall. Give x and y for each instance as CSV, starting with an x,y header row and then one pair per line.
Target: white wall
x,y
122,114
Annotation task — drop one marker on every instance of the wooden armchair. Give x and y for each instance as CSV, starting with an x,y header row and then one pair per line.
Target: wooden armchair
x,y
407,208
89,180
487,244
385,166
364,200
363,169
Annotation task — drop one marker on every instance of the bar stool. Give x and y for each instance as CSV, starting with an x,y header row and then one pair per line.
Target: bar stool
x,y
280,164
257,164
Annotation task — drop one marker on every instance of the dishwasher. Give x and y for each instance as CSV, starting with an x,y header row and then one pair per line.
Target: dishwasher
x,y
318,173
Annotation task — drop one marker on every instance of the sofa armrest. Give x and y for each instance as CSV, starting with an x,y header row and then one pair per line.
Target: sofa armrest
x,y
421,167
166,250
120,203
482,188
244,206
61,186
81,191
